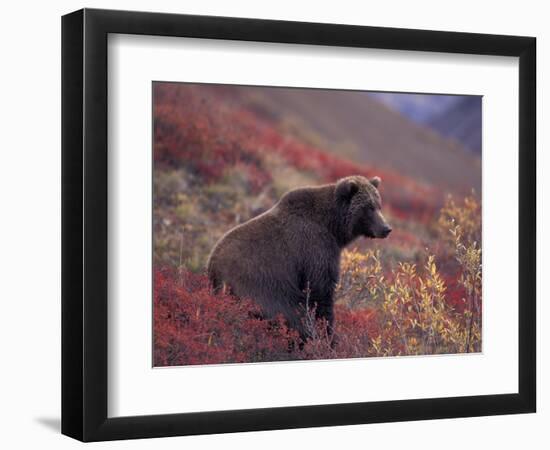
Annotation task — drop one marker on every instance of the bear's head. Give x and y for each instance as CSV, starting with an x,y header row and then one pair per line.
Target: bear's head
x,y
359,203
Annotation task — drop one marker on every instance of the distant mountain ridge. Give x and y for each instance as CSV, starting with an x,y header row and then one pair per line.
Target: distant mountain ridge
x,y
461,121
453,116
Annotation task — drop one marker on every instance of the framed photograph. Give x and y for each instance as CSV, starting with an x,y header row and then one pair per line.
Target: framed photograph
x,y
273,224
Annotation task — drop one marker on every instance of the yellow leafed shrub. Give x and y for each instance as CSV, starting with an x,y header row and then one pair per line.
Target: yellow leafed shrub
x,y
417,312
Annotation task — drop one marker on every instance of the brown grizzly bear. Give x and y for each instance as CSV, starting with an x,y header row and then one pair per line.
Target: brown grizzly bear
x,y
289,256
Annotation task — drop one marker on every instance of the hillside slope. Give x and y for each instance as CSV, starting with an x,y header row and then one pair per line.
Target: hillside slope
x,y
368,131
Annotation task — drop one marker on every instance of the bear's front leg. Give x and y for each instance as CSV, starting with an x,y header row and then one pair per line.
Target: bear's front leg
x,y
325,310
318,283
320,307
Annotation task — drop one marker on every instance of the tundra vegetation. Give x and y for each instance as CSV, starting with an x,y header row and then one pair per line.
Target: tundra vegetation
x,y
218,164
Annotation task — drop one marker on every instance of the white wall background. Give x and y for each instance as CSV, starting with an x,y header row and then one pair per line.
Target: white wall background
x,y
30,221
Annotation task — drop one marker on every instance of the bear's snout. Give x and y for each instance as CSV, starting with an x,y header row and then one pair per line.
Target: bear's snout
x,y
385,232
379,227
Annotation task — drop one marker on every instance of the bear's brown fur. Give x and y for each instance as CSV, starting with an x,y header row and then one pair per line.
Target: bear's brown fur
x,y
290,255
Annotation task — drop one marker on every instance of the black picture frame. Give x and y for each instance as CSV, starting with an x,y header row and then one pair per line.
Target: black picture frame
x,y
84,224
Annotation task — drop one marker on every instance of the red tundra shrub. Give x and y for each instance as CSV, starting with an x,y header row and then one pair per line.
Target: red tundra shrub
x,y
354,331
193,326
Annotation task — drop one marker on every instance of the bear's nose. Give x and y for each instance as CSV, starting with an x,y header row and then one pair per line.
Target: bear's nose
x,y
386,231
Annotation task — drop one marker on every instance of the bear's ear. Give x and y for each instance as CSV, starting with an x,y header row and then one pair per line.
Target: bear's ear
x,y
346,189
375,181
